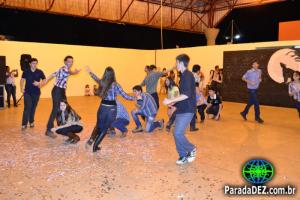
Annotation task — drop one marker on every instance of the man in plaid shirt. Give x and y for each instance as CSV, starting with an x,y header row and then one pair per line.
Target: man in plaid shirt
x,y
59,90
147,108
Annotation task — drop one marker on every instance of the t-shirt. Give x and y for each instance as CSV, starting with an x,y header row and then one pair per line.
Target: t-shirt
x,y
214,100
187,87
30,77
173,92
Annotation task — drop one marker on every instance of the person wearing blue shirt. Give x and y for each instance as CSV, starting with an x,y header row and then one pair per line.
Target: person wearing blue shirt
x,y
147,107
253,78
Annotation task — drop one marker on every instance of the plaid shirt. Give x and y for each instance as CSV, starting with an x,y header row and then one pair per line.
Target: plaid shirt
x,y
147,105
113,91
62,77
121,111
293,89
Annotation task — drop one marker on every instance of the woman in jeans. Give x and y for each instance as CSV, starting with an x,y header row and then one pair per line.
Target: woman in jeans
x,y
108,91
68,122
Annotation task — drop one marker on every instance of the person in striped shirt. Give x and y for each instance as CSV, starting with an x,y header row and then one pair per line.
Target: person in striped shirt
x,y
59,90
294,90
146,107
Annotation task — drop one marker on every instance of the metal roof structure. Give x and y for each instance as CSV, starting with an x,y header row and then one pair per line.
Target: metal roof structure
x,y
183,15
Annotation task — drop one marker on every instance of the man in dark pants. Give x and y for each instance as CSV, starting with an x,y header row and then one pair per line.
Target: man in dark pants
x,y
59,91
253,78
33,77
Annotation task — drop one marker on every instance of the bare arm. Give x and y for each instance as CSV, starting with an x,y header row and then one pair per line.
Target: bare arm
x,y
22,83
175,100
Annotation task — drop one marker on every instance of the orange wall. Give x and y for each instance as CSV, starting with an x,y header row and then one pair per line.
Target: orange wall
x,y
289,30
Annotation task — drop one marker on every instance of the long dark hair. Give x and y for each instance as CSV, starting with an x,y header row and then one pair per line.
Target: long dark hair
x,y
67,113
171,83
107,80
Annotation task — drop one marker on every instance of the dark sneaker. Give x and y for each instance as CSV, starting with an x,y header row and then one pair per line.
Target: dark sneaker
x,y
23,127
259,120
31,125
162,124
192,155
182,161
194,129
138,130
243,116
50,134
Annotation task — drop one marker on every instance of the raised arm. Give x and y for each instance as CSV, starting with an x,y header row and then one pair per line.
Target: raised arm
x,y
93,76
124,94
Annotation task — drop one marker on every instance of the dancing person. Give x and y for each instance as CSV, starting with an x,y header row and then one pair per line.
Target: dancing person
x,y
253,79
68,122
146,107
107,112
87,90
216,79
151,80
214,104
30,85
185,110
122,119
59,90
294,90
10,85
173,92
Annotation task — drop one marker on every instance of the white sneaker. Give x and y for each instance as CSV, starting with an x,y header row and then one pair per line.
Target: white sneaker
x,y
192,155
182,161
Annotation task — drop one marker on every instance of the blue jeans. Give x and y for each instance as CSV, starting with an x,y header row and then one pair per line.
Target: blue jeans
x,y
151,124
253,100
106,115
120,124
183,146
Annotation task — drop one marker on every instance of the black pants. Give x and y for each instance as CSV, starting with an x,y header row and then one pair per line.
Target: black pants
x,y
11,91
171,120
213,110
106,115
30,103
58,94
70,129
201,109
156,99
